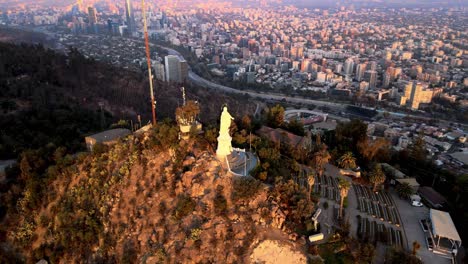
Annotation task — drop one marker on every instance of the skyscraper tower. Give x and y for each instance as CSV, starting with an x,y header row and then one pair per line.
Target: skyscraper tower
x,y
349,66
130,17
92,15
79,3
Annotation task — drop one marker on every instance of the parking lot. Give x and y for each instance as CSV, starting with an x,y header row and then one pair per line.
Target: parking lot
x,y
410,217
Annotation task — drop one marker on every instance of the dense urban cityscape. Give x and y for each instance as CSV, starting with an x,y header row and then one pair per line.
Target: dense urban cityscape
x,y
360,106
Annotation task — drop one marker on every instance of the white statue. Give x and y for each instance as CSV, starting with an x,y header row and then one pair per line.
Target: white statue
x,y
224,139
226,120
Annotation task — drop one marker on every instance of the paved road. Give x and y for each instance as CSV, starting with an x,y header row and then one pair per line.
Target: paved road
x,y
193,77
351,211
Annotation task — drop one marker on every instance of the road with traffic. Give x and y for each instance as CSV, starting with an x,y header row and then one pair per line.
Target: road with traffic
x,y
196,79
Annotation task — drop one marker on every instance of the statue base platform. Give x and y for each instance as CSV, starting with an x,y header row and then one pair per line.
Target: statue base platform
x,y
241,162
224,146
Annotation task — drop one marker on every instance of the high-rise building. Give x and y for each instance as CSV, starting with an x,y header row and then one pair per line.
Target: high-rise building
x,y
79,4
92,15
183,70
338,67
349,66
415,93
389,76
371,77
363,87
305,65
386,79
159,72
420,95
297,51
295,65
176,68
321,77
360,70
172,68
324,64
130,17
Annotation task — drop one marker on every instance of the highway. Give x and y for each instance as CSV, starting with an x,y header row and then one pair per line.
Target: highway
x,y
196,79
193,77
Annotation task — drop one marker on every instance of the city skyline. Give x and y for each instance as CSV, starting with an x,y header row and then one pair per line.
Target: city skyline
x,y
298,3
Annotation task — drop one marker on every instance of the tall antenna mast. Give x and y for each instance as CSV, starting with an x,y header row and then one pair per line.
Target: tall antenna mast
x,y
148,60
183,95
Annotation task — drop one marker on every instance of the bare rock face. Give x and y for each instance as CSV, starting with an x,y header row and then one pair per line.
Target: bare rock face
x,y
197,190
187,179
275,252
279,217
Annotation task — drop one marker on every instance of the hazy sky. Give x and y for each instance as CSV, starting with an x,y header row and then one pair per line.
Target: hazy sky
x,y
301,3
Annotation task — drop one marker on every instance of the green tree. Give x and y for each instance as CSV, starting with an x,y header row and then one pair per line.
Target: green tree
x,y
187,113
211,135
348,135
320,158
369,149
417,149
295,126
165,135
241,138
294,199
404,190
347,161
271,155
275,116
246,123
310,183
343,186
460,189
377,176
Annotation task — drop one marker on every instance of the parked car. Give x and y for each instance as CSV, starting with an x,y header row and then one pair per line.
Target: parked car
x,y
416,203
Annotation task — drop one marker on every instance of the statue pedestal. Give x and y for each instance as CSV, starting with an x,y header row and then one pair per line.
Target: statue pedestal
x,y
224,146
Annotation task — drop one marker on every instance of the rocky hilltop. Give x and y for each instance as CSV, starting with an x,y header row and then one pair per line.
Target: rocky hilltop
x,y
149,199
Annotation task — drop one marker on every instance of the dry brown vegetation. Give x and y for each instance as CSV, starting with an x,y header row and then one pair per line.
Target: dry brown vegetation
x,y
149,199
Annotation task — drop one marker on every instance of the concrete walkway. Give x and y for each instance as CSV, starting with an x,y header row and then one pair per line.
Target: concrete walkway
x,y
351,211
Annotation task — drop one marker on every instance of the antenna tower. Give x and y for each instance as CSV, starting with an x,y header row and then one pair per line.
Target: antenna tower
x,y
148,60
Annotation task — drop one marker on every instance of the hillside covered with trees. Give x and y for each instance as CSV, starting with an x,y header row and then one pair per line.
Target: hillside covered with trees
x,y
47,97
